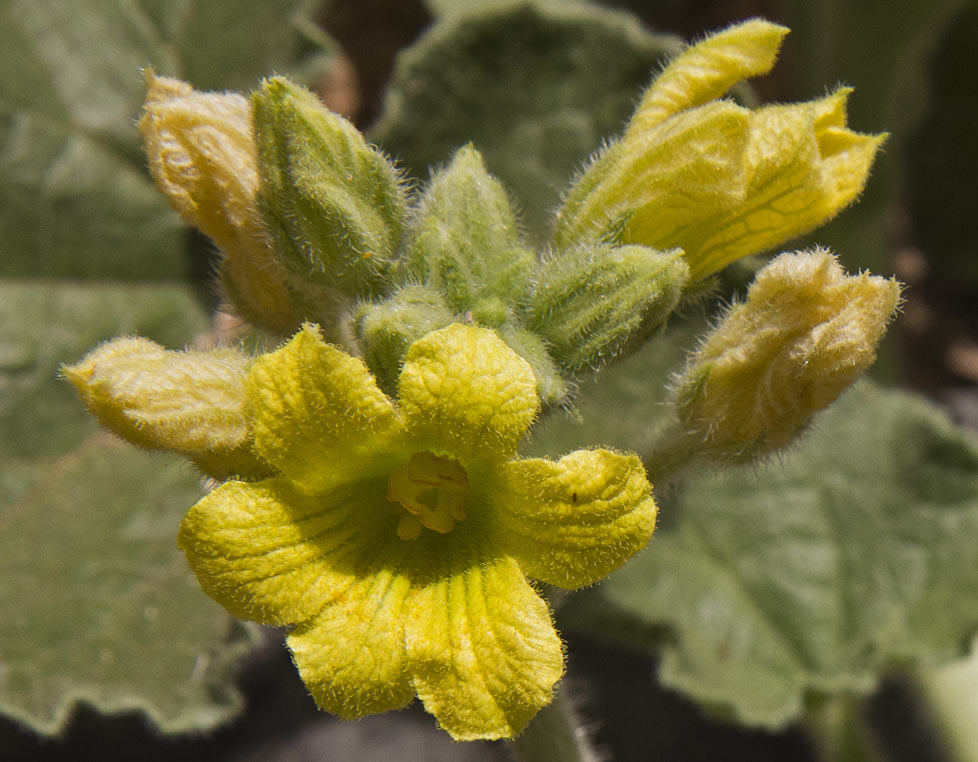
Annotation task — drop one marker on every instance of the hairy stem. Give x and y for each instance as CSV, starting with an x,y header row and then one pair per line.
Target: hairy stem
x,y
555,735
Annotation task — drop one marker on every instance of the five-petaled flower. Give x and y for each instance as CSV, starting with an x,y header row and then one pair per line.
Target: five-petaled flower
x,y
397,537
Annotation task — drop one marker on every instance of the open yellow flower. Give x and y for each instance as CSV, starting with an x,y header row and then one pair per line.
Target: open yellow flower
x,y
398,536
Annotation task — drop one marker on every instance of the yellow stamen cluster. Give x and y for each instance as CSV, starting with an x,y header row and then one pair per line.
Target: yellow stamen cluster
x,y
434,492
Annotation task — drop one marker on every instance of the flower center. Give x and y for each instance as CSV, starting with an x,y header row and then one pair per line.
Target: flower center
x,y
434,492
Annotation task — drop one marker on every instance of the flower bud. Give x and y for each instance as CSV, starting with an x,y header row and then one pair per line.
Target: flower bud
x,y
593,304
718,180
188,402
334,204
386,329
465,242
202,155
805,333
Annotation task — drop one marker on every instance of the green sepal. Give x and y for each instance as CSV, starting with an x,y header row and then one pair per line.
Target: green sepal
x,y
334,204
597,303
386,329
552,388
465,242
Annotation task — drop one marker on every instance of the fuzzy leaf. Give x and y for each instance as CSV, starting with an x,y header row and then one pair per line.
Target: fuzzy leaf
x,y
853,552
74,199
120,623
534,86
92,524
43,325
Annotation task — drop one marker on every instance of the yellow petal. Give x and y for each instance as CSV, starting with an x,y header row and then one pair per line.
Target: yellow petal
x,y
188,402
465,392
693,167
802,170
351,656
317,413
573,521
268,552
482,650
707,70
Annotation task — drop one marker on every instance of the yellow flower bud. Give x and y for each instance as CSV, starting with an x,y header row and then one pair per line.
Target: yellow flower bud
x,y
202,155
713,178
805,333
188,402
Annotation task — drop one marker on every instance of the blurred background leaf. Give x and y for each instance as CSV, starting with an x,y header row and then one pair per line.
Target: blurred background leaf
x,y
99,606
535,86
75,200
854,552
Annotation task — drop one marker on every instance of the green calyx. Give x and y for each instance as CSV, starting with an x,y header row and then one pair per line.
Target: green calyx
x,y
465,241
386,329
346,228
334,204
593,304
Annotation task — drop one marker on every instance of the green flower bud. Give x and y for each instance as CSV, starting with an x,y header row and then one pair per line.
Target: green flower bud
x,y
386,329
465,241
334,204
805,333
593,304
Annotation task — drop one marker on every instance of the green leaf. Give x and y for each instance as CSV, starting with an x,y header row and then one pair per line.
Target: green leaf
x,y
853,552
43,325
75,200
91,524
534,86
99,605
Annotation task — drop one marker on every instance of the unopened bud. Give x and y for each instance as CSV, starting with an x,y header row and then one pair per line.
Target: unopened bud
x,y
202,155
805,333
465,240
594,304
334,204
386,329
189,402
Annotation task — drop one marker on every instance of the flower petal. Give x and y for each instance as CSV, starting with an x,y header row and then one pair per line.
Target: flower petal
x,y
463,389
268,552
483,653
803,171
572,521
707,70
316,412
351,656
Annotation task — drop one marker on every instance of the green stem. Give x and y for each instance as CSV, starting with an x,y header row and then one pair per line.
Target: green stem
x,y
838,725
670,455
949,695
554,735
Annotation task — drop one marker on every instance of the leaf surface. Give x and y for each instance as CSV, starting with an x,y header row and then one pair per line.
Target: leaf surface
x,y
75,200
99,605
534,86
854,551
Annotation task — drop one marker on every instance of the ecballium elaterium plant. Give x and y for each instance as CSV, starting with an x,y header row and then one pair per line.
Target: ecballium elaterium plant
x,y
370,492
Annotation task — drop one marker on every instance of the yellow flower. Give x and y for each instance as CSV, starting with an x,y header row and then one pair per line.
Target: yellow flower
x,y
716,179
398,536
